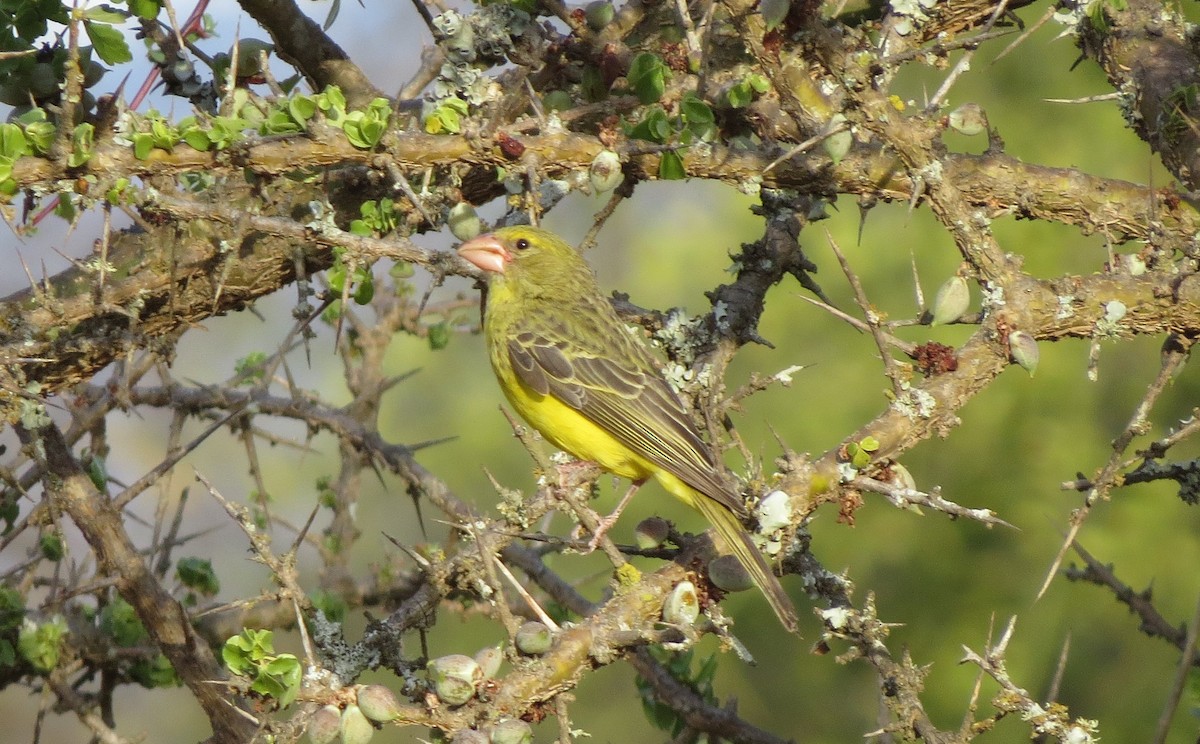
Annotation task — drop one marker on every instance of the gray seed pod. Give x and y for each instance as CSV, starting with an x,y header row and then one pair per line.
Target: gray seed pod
x,y
599,13
605,172
1024,350
968,119
325,725
952,300
727,572
454,678
534,638
488,659
651,532
378,703
463,221
356,729
512,731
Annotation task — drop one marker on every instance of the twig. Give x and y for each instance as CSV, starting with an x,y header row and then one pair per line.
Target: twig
x,y
904,497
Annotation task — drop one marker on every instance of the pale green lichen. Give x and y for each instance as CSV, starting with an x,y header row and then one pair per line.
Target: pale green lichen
x,y
1109,325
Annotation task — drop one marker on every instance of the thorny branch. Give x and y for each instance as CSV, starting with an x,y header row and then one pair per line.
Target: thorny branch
x,y
238,242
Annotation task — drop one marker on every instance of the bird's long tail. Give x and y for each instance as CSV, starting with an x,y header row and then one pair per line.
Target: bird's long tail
x,y
737,541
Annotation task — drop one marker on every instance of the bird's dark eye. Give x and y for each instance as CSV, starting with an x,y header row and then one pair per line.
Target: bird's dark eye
x,y
521,244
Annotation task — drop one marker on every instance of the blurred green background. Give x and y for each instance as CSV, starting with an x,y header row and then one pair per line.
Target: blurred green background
x,y
946,584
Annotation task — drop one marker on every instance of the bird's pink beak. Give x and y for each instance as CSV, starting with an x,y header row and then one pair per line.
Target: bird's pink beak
x,y
486,252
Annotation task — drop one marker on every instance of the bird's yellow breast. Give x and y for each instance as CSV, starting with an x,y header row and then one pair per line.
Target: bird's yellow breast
x,y
567,428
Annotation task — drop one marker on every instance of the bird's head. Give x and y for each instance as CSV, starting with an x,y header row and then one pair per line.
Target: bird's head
x,y
527,259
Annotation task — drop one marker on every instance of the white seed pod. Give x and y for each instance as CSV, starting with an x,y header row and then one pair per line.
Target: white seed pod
x,y
454,678
838,144
355,729
1024,350
952,300
727,572
605,172
378,703
651,532
488,658
464,222
682,605
774,512
968,119
469,736
324,725
902,478
533,638
512,731
599,13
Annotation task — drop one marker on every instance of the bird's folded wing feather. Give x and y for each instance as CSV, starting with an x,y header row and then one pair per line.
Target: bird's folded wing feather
x,y
614,382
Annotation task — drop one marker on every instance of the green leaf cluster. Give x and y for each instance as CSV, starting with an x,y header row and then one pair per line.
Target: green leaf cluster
x,y
694,122
446,116
30,134
119,620
860,452
251,654
12,612
647,77
742,93
378,218
40,644
362,281
197,575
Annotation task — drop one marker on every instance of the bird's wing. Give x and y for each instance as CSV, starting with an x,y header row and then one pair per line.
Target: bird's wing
x,y
611,378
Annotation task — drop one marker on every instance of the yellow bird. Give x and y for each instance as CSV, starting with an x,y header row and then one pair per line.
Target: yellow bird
x,y
569,366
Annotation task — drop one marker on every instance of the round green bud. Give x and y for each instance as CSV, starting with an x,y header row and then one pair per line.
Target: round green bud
x,y
488,659
454,678
511,731
324,725
726,572
952,300
651,532
378,703
356,729
464,222
599,13
605,172
558,100
534,638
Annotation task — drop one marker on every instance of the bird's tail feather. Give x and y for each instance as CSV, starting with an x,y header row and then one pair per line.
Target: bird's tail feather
x,y
737,540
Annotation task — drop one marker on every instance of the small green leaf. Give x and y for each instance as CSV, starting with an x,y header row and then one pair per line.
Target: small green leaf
x,y
104,14
145,9
197,139
81,145
670,167
654,128
250,369
51,547
647,77
108,43
302,108
739,95
774,12
198,574
12,609
119,620
13,143
439,336
40,645
143,143
154,673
